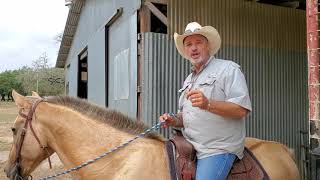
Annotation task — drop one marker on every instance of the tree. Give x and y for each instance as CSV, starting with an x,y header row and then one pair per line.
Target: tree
x,y
58,37
9,80
41,63
27,78
39,77
52,81
42,78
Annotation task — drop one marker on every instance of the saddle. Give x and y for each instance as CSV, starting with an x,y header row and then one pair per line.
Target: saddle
x,y
182,162
185,158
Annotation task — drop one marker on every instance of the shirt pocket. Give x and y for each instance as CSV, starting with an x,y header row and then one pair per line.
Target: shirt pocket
x,y
185,86
207,85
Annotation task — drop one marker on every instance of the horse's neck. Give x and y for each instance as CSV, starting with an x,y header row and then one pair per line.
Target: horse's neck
x,y
76,138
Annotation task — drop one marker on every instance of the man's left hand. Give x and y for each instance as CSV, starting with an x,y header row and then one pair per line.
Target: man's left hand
x,y
198,99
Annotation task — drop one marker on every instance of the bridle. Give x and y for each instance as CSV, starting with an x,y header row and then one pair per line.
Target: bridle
x,y
28,118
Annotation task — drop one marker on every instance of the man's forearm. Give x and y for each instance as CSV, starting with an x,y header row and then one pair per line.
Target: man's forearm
x,y
227,109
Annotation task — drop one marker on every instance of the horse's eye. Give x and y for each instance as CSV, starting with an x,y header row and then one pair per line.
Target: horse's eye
x,y
13,130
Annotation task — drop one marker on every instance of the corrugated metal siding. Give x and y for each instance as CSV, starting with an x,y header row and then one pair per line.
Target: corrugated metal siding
x,y
276,80
243,23
269,42
164,71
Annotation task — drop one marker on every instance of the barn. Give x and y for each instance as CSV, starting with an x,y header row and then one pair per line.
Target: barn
x,y
120,54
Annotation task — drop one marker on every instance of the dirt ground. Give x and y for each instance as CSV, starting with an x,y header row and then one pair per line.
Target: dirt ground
x,y
8,112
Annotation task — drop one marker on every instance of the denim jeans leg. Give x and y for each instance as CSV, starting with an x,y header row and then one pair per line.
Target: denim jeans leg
x,y
215,167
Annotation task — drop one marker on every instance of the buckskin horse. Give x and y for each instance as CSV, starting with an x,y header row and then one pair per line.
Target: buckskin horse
x,y
79,131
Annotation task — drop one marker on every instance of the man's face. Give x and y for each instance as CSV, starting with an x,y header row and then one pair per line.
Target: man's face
x,y
197,49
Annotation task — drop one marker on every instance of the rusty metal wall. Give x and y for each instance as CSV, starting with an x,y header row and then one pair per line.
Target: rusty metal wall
x,y
243,23
277,82
313,69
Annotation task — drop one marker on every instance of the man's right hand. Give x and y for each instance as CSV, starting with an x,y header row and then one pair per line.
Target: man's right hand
x,y
167,120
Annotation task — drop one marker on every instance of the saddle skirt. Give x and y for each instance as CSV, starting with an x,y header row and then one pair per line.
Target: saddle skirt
x,y
248,168
182,162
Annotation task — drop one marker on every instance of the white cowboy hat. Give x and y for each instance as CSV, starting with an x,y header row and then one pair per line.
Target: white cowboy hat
x,y
192,28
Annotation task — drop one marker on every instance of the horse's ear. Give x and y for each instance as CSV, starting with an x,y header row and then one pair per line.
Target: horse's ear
x,y
35,94
20,100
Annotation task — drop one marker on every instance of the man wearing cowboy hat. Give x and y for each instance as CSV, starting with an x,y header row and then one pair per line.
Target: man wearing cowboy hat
x,y
213,103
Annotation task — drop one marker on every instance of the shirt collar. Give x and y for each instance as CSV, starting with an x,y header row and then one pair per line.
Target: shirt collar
x,y
193,70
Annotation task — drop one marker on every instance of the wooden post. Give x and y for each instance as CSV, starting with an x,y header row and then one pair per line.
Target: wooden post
x,y
145,19
145,26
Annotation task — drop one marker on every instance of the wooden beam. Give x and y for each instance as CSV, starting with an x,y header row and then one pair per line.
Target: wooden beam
x,y
165,2
157,13
145,19
293,4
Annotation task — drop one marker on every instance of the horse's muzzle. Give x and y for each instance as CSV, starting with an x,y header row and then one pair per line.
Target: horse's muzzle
x,y
13,173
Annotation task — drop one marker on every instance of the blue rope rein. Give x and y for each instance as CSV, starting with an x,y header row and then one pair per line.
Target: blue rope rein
x,y
153,128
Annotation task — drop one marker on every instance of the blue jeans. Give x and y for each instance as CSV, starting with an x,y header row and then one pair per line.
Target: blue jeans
x,y
215,167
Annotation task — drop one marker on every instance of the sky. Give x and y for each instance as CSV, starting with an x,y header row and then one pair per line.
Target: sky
x,y
28,29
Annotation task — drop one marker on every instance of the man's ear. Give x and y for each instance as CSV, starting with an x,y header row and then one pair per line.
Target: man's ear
x,y
35,94
21,101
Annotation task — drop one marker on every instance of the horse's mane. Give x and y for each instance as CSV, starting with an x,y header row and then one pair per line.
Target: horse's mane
x,y
105,115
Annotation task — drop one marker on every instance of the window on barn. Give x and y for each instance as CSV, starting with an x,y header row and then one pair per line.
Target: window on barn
x,y
83,74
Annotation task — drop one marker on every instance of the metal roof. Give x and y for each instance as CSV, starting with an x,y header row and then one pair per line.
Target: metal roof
x,y
69,31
